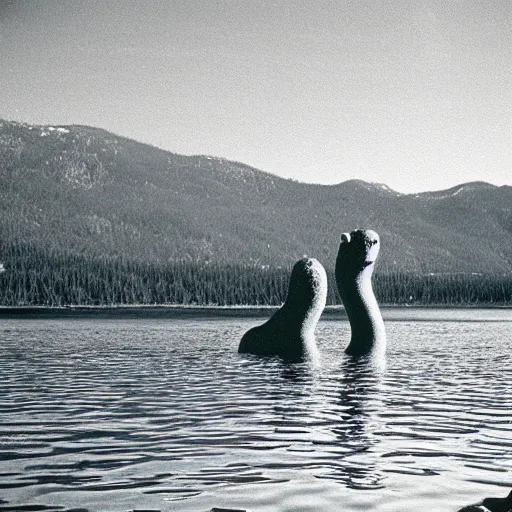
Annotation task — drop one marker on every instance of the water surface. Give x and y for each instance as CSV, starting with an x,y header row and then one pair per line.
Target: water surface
x,y
124,415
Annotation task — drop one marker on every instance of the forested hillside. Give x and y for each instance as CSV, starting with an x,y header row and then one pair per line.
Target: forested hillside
x,y
81,207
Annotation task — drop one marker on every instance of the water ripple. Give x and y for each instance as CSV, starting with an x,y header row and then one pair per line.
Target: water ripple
x,y
144,414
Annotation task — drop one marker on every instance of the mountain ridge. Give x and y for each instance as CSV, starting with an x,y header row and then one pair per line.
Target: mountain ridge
x,y
85,190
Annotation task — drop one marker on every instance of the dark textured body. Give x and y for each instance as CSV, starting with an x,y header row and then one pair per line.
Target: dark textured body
x,y
289,333
354,267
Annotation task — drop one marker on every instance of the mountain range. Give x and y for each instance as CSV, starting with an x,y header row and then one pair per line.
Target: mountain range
x,y
84,190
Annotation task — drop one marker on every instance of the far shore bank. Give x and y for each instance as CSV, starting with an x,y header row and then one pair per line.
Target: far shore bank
x,y
190,311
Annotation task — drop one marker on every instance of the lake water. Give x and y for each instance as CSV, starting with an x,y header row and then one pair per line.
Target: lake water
x,y
163,415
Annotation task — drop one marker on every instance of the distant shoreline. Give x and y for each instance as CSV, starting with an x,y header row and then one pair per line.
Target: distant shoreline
x,y
184,312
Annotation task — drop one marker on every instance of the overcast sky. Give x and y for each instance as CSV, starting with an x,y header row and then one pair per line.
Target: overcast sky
x,y
416,94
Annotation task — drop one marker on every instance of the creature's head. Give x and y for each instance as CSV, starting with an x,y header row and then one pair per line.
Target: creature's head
x,y
358,252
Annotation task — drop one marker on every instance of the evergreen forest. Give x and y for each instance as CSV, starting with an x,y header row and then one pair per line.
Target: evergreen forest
x,y
49,277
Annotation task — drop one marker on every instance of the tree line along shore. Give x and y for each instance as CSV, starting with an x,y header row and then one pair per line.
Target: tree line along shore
x,y
53,278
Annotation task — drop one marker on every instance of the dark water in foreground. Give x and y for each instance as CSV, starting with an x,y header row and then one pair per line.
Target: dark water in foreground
x,y
123,415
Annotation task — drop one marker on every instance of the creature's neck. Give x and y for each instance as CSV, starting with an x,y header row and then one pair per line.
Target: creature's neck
x,y
301,314
363,312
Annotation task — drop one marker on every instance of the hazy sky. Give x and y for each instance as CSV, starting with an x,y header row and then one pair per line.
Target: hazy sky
x,y
416,94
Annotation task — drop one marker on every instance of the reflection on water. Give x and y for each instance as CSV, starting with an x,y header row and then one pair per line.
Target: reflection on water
x,y
360,397
165,415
